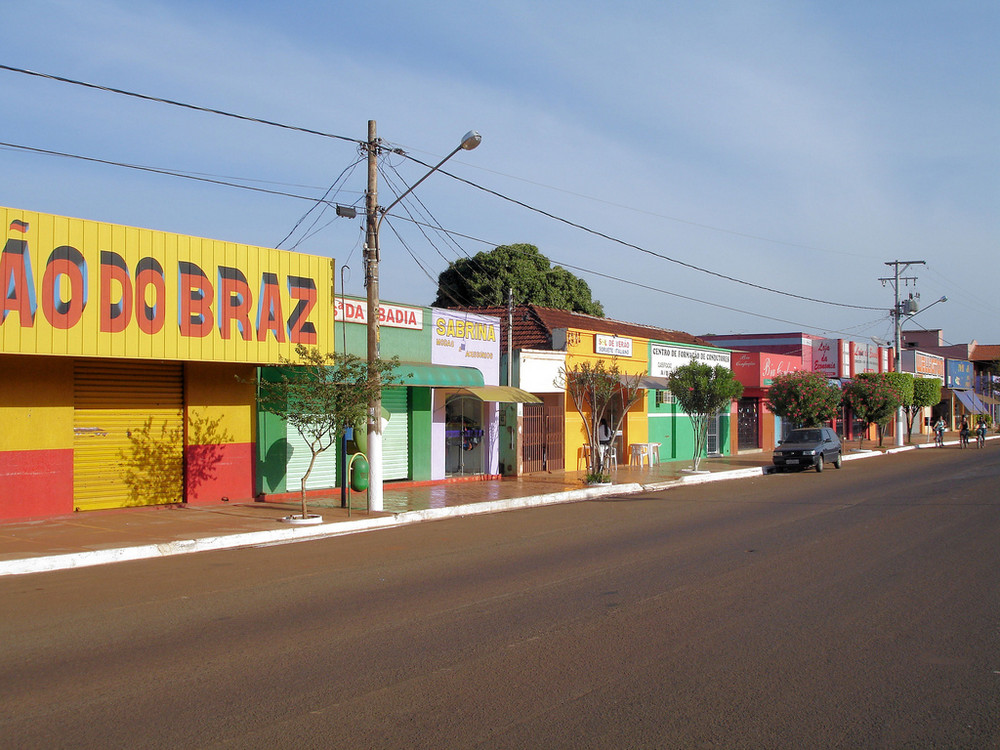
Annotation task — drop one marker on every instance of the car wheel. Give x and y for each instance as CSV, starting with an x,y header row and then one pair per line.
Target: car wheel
x,y
838,461
819,462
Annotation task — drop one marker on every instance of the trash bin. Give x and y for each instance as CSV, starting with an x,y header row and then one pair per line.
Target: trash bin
x,y
359,473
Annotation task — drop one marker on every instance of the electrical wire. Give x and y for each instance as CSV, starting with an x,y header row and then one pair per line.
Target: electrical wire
x,y
173,103
641,249
320,202
156,170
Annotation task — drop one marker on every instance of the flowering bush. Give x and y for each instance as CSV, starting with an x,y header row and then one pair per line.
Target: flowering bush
x,y
806,399
873,398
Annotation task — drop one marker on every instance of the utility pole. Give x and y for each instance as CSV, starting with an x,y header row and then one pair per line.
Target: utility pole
x,y
510,336
374,216
900,267
375,497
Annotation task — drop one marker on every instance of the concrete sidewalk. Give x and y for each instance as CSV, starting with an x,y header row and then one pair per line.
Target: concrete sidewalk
x,y
99,537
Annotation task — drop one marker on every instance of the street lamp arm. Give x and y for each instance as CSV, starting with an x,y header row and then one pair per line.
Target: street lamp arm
x,y
469,142
911,317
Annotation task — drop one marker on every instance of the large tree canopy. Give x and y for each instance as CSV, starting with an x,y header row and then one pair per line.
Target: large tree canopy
x,y
483,281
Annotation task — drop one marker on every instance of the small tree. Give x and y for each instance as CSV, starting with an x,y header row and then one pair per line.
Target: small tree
x,y
902,384
319,395
926,392
806,399
703,391
592,388
874,399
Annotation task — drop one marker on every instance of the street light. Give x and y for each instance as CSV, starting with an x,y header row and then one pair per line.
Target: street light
x,y
372,257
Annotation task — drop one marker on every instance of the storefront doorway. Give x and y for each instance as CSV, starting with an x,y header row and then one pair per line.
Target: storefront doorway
x,y
748,415
542,437
464,433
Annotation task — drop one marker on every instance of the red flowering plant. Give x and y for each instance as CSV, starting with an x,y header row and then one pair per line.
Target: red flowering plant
x,y
806,399
873,398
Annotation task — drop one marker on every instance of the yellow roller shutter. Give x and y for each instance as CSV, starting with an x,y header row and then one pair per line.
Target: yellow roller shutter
x,y
128,434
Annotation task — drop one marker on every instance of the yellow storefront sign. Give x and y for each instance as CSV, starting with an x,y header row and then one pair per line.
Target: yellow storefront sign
x,y
91,289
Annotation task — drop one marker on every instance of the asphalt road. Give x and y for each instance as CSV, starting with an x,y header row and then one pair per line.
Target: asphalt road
x,y
853,608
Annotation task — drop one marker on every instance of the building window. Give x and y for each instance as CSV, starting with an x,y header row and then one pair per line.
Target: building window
x,y
664,397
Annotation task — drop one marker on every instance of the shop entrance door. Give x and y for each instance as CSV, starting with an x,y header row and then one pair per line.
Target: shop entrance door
x,y
533,438
712,439
128,434
748,415
464,434
542,438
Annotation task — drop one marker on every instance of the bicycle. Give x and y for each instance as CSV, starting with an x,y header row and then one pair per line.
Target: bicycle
x,y
980,438
939,438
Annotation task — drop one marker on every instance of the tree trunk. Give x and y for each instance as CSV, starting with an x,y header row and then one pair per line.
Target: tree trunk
x,y
305,478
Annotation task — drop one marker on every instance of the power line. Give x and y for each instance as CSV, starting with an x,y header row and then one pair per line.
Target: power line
x,y
173,103
157,170
641,249
497,194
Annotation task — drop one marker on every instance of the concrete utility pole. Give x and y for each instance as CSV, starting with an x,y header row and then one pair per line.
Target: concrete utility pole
x,y
897,314
373,221
371,285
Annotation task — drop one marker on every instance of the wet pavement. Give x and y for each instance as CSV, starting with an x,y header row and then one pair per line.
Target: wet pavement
x,y
97,537
164,525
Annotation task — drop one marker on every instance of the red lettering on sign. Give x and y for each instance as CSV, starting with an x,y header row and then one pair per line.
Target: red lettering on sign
x,y
116,293
269,314
235,301
195,301
65,264
16,283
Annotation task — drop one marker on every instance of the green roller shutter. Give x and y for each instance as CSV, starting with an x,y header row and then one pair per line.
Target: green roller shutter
x,y
396,437
324,472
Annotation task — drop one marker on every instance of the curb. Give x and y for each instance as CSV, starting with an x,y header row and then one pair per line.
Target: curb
x,y
290,534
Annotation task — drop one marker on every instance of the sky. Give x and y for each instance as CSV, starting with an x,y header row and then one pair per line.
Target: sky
x,y
708,167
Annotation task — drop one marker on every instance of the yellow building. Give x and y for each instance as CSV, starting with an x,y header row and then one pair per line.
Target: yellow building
x,y
127,357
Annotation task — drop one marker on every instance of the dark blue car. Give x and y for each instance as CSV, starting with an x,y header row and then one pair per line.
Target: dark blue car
x,y
808,446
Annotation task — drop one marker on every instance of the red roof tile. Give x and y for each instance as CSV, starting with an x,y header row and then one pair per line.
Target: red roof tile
x,y
533,326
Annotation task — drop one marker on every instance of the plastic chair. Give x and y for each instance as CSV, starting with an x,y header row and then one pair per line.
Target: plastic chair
x,y
639,453
654,450
583,457
611,457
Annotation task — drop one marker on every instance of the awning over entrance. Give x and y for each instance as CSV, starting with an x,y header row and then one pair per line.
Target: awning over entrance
x,y
503,393
648,382
436,376
653,383
971,402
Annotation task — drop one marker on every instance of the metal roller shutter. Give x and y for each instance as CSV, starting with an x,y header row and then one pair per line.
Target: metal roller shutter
x,y
128,434
396,438
324,473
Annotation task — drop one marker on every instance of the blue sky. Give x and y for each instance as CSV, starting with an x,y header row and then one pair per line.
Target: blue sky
x,y
796,146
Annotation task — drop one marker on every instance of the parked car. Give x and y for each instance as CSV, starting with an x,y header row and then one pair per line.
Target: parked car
x,y
808,446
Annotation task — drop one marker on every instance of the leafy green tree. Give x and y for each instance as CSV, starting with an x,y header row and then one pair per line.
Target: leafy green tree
x,y
319,395
483,281
806,399
926,392
703,391
873,398
593,387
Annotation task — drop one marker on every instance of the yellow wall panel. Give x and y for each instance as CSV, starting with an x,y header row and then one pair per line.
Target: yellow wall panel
x,y
36,403
220,403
